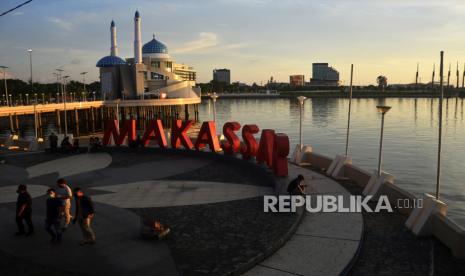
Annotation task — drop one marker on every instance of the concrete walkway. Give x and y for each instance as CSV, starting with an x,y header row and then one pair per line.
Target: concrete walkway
x,y
324,243
165,193
118,250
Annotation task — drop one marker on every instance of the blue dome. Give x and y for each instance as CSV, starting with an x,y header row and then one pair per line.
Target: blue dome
x,y
110,61
154,47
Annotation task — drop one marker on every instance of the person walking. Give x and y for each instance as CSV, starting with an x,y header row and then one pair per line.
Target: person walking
x,y
65,194
84,215
24,211
52,221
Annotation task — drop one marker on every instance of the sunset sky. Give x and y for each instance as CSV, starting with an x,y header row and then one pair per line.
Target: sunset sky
x,y
256,39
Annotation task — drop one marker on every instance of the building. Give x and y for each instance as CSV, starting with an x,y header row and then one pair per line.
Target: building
x,y
222,75
297,80
324,75
150,73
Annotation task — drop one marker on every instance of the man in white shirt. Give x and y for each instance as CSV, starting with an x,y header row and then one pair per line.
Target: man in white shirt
x,y
63,192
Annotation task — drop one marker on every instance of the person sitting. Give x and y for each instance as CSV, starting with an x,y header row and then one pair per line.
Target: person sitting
x,y
97,143
297,186
66,145
91,145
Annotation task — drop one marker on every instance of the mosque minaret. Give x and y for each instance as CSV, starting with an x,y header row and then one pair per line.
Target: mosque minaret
x,y
114,46
137,39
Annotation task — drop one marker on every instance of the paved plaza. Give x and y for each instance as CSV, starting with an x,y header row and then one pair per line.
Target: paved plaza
x,y
213,205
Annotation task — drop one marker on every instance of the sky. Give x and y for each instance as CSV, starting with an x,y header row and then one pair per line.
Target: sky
x,y
255,39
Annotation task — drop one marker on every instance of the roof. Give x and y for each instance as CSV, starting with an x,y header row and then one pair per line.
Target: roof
x,y
110,61
154,47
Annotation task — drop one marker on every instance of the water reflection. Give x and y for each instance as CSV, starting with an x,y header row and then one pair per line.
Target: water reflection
x,y
410,136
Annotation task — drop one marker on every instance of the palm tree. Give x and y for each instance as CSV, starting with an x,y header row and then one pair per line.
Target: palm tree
x,y
382,82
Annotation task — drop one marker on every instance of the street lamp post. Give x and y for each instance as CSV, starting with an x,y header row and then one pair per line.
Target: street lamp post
x,y
27,98
6,87
350,107
383,110
30,67
301,105
84,82
64,104
35,97
94,95
214,96
438,176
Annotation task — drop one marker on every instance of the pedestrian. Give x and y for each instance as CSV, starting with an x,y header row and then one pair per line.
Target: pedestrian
x,y
65,194
24,211
297,186
53,142
53,218
84,215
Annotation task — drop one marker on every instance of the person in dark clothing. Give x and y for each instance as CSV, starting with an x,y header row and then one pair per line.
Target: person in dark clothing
x,y
66,144
53,142
24,211
297,186
84,215
76,145
53,219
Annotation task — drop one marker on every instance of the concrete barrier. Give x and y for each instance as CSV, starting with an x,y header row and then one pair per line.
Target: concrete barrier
x,y
443,228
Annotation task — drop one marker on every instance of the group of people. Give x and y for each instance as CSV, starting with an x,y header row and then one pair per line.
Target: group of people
x,y
58,212
67,147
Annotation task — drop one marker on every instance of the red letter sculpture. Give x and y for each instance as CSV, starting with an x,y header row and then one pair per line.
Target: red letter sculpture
x,y
233,145
154,132
265,148
129,129
281,150
207,135
111,131
179,134
250,146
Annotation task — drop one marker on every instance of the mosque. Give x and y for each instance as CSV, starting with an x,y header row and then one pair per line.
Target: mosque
x,y
151,73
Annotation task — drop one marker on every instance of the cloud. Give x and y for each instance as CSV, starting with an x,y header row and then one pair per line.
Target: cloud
x,y
65,25
206,40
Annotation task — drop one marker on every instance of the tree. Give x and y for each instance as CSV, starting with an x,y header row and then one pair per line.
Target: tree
x,y
382,82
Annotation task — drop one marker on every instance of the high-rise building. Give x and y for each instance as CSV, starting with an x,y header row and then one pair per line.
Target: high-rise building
x,y
222,75
323,74
297,80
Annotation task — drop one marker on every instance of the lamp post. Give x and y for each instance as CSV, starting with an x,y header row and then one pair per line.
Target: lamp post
x,y
6,87
301,107
35,97
30,67
64,104
438,176
84,82
27,98
214,96
350,107
383,109
94,95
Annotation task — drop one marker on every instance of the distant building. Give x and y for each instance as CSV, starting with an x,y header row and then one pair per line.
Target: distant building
x,y
297,80
150,72
222,75
324,75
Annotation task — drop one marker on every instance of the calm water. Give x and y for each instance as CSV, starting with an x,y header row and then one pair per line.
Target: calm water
x,y
410,141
